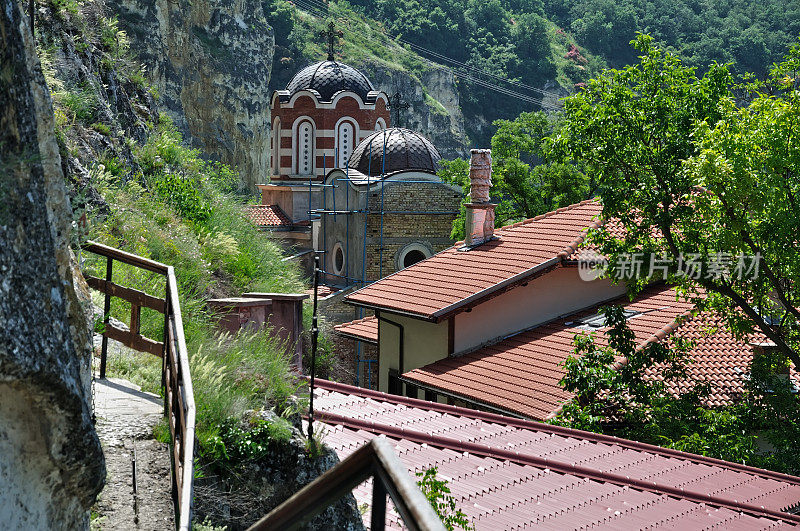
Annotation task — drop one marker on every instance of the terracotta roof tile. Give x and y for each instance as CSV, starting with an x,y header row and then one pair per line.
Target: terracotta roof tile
x,y
433,287
267,216
507,473
531,360
365,329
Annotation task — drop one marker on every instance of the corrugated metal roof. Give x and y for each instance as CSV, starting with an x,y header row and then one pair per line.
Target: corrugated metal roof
x,y
508,473
439,285
365,329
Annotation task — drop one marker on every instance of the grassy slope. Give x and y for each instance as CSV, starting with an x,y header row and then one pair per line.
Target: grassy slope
x,y
365,40
142,191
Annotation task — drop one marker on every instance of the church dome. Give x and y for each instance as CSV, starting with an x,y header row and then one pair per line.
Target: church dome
x,y
328,78
405,150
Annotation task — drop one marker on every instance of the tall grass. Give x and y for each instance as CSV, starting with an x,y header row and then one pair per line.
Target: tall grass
x,y
216,254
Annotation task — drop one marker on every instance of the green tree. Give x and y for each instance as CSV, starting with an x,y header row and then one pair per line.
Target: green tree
x,y
613,394
524,182
438,494
691,176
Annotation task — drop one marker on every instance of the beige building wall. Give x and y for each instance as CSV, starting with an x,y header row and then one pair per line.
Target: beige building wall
x,y
552,295
424,342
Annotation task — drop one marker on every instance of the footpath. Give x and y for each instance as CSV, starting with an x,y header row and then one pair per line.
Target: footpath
x,y
137,494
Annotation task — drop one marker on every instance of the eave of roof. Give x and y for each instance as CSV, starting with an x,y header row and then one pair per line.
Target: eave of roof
x,y
531,359
365,329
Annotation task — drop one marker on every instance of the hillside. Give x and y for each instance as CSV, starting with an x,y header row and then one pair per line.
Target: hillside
x,y
454,110
751,35
135,185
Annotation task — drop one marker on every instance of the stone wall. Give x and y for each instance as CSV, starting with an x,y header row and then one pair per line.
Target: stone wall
x,y
51,463
211,62
345,367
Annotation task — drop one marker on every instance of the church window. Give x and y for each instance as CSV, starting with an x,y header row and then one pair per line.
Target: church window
x,y
305,148
276,146
411,254
345,142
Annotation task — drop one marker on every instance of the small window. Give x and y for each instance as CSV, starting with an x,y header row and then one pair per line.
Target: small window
x,y
338,259
412,257
593,322
411,254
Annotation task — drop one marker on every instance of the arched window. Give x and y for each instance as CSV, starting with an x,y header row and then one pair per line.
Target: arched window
x,y
276,146
346,138
305,148
380,125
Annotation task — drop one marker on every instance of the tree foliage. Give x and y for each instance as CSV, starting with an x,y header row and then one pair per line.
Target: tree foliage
x,y
616,392
751,35
524,182
438,494
692,176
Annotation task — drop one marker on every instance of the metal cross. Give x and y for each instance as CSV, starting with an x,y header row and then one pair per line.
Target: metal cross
x,y
332,35
398,105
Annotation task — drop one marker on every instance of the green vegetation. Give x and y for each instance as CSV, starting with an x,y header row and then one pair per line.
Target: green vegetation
x,y
526,182
625,401
438,494
691,175
752,35
172,210
694,138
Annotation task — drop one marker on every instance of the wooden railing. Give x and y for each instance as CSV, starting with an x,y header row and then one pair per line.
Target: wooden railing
x,y
389,476
179,404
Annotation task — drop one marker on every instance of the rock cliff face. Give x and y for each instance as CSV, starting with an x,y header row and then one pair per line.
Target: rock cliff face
x,y
434,105
51,463
210,61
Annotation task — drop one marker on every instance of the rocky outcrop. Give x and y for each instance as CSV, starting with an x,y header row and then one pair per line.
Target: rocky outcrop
x,y
434,108
51,463
244,492
210,61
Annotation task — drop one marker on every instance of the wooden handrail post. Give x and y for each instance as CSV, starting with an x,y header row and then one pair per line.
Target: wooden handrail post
x,y
106,317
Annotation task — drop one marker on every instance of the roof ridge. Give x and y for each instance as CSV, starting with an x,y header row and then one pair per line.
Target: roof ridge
x,y
559,466
548,214
550,428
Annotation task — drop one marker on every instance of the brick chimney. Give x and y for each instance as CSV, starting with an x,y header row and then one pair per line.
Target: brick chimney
x,y
480,212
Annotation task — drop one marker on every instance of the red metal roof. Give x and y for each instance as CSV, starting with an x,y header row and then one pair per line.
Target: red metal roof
x,y
439,285
267,216
365,329
521,373
508,473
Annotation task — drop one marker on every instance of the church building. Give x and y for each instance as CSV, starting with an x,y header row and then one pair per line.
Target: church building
x,y
345,182
326,109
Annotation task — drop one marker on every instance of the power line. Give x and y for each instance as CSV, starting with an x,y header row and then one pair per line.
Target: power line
x,y
314,7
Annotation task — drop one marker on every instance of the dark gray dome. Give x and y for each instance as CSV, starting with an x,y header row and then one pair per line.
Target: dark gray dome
x,y
328,78
405,150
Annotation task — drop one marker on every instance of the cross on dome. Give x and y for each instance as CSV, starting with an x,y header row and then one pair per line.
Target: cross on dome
x,y
398,105
331,35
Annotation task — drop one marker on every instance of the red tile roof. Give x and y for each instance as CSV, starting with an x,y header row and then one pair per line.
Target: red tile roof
x,y
365,329
439,286
507,473
267,216
521,373
323,291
